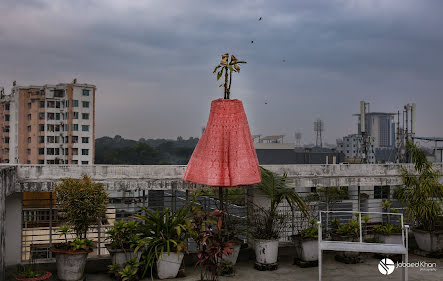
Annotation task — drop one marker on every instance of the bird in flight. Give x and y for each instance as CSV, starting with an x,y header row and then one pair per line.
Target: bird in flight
x,y
252,41
259,18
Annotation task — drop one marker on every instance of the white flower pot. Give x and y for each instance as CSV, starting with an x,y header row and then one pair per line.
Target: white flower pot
x,y
429,241
306,249
390,239
233,257
70,264
169,265
266,251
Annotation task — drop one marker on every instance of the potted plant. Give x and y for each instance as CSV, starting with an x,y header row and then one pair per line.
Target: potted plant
x,y
123,237
306,243
129,271
83,203
232,231
266,223
422,193
388,233
348,231
163,240
29,273
213,246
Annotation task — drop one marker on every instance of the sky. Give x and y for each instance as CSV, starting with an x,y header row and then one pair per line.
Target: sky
x,y
152,61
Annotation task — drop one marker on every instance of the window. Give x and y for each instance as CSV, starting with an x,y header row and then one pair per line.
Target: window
x,y
51,116
41,116
51,128
50,151
381,192
57,128
85,140
6,106
6,117
75,151
57,104
6,129
67,104
6,140
75,127
85,128
50,104
29,105
66,127
29,139
85,151
29,128
75,103
85,116
74,115
85,93
66,139
28,151
57,116
28,162
85,162
41,151
66,151
50,139
74,162
56,151
41,162
42,104
41,139
74,139
85,104
59,93
29,116
41,127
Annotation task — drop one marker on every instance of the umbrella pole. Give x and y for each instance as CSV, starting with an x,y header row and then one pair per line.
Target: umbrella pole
x,y
220,197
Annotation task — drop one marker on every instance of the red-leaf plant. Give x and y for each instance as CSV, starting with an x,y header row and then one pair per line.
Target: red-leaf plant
x,y
213,244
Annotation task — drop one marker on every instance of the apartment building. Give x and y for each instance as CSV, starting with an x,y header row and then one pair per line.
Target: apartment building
x,y
351,146
49,124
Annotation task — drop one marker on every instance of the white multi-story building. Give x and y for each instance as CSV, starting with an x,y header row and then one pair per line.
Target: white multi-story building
x,y
351,147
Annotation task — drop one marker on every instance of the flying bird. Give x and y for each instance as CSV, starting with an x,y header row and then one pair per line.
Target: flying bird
x,y
252,41
259,18
284,60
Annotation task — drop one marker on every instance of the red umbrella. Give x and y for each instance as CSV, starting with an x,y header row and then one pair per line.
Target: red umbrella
x,y
225,155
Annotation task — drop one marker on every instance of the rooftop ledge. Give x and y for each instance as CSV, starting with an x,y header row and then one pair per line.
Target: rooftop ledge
x,y
20,178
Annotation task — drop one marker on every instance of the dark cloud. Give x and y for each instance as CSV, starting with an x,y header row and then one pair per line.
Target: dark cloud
x,y
152,60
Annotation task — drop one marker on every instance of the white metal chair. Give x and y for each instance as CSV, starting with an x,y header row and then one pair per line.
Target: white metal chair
x,y
363,246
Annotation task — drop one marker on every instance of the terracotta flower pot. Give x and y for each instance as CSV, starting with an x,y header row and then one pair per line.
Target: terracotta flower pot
x,y
46,276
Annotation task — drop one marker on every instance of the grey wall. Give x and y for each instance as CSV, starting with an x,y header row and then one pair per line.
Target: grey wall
x,y
13,229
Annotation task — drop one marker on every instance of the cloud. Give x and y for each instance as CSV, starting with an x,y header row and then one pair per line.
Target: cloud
x,y
152,60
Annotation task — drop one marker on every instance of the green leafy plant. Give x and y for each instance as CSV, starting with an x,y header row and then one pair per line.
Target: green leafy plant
x,y
114,269
350,229
83,203
129,273
123,235
387,229
28,271
227,67
64,231
163,232
81,244
310,232
335,223
422,191
226,268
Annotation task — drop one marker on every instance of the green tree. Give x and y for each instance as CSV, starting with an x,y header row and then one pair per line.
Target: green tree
x,y
422,191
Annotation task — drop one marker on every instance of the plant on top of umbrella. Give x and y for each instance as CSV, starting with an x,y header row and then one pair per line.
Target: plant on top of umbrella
x,y
227,67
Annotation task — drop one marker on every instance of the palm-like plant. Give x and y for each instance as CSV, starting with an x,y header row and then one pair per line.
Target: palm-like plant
x,y
227,67
277,189
165,231
422,191
267,223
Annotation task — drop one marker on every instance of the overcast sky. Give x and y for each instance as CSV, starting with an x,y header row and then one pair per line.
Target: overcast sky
x,y
152,61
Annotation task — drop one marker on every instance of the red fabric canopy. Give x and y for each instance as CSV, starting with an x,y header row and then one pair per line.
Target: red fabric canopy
x,y
225,154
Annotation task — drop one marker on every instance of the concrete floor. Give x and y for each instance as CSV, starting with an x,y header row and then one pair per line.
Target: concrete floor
x,y
333,271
